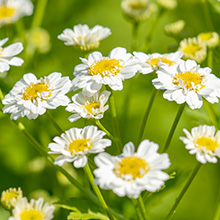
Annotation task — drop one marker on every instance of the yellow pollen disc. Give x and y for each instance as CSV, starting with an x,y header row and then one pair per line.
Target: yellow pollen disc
x,y
10,195
189,80
31,214
105,67
192,49
138,5
80,145
6,12
33,91
134,166
208,143
155,61
206,36
90,106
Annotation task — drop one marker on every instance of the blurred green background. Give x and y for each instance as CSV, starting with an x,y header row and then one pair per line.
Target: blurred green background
x,y
22,166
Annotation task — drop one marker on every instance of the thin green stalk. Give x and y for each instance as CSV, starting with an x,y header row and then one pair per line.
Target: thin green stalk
x,y
178,115
144,121
146,196
210,58
53,122
178,199
206,12
134,36
137,209
217,214
142,207
97,191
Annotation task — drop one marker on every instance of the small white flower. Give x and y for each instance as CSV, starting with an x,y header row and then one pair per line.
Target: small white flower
x,y
133,172
31,96
152,62
168,4
175,28
99,70
83,38
35,209
187,82
12,10
211,39
90,107
76,143
7,55
204,142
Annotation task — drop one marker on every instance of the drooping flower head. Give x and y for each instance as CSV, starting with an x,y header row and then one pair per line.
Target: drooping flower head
x,y
12,10
35,209
187,82
90,107
99,70
75,144
132,172
194,49
10,197
152,62
8,55
31,96
203,141
83,38
211,39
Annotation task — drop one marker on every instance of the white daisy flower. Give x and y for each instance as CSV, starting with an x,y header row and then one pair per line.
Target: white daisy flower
x,y
76,143
211,39
152,62
175,28
31,96
83,38
10,197
132,172
90,107
168,4
12,10
187,82
35,209
99,70
204,142
7,55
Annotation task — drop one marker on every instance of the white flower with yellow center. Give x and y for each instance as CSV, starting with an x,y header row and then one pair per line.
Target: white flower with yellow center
x,y
175,28
99,70
33,210
12,10
89,107
168,4
31,96
194,49
204,142
76,143
132,172
83,38
211,39
7,55
152,62
187,82
10,197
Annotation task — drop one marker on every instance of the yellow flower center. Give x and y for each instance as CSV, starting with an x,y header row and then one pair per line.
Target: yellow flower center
x,y
190,80
206,36
33,91
10,195
31,214
6,12
208,143
105,67
90,106
138,5
133,166
80,145
191,49
155,61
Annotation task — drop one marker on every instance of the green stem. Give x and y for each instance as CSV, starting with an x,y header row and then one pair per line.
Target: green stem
x,y
178,115
137,209
134,36
142,207
212,113
217,214
97,191
146,196
178,199
144,121
210,58
53,122
205,8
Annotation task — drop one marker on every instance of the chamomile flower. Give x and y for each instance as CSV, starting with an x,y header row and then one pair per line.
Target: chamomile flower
x,y
99,70
8,55
83,38
89,107
35,209
76,143
175,28
187,82
12,10
31,96
211,39
152,62
132,172
194,49
203,141
168,4
10,197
